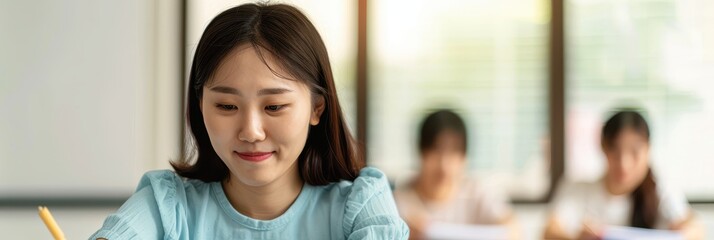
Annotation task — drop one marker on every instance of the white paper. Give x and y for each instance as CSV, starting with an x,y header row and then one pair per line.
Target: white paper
x,y
442,230
632,233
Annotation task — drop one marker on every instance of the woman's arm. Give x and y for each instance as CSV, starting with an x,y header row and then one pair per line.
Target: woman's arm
x,y
370,211
137,218
553,230
690,227
514,228
148,212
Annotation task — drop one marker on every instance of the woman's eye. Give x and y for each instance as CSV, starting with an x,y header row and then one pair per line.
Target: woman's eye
x,y
274,108
226,107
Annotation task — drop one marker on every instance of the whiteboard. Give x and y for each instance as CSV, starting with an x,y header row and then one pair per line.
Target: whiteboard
x,y
83,102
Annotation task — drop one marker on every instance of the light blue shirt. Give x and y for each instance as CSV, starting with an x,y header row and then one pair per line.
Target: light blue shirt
x,y
167,206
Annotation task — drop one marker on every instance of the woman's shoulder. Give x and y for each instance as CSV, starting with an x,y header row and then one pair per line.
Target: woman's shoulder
x,y
571,187
167,180
157,208
171,189
163,184
370,207
159,178
571,194
370,181
673,204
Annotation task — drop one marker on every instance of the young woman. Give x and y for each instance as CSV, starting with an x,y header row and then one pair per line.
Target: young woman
x,y
628,194
440,193
274,157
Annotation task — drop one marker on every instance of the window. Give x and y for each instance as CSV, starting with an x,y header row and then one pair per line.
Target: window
x,y
644,53
487,60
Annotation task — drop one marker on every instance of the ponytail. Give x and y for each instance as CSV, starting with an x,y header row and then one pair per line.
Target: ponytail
x,y
645,203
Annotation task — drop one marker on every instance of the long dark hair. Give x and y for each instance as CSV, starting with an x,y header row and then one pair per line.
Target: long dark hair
x,y
330,153
645,201
438,122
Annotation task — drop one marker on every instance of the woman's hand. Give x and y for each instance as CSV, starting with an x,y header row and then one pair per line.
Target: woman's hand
x,y
589,232
690,228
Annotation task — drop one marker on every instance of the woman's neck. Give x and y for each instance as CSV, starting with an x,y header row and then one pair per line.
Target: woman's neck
x,y
264,202
612,188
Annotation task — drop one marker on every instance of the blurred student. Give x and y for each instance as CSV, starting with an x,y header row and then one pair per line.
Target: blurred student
x,y
440,193
628,195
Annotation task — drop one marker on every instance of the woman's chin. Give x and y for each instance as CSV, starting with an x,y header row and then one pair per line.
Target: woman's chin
x,y
255,177
616,186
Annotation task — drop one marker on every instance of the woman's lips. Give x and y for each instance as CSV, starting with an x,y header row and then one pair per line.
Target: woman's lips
x,y
254,156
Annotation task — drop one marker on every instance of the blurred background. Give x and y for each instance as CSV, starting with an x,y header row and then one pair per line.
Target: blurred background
x,y
91,92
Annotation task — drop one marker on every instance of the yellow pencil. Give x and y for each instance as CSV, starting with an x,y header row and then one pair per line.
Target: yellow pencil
x,y
51,224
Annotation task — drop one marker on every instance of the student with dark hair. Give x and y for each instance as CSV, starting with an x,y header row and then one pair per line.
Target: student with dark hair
x,y
440,193
628,195
273,157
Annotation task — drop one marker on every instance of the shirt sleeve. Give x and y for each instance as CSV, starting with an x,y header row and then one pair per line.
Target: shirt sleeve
x,y
566,207
673,205
370,212
494,205
150,213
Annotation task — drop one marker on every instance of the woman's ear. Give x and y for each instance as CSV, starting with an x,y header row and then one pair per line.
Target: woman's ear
x,y
317,110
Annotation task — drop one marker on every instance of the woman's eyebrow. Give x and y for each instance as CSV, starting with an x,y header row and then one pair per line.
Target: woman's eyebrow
x,y
272,91
265,91
224,89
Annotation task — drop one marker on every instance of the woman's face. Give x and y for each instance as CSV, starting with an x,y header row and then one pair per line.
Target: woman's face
x,y
627,161
257,121
444,162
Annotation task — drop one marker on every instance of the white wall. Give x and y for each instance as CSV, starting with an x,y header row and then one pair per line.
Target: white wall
x,y
89,95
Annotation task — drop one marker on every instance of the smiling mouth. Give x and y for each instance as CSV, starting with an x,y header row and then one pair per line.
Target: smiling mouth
x,y
254,156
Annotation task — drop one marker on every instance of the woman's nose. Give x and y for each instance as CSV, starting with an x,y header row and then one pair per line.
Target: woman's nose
x,y
251,128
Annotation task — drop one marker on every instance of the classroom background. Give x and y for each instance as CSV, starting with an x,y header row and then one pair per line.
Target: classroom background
x,y
92,93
